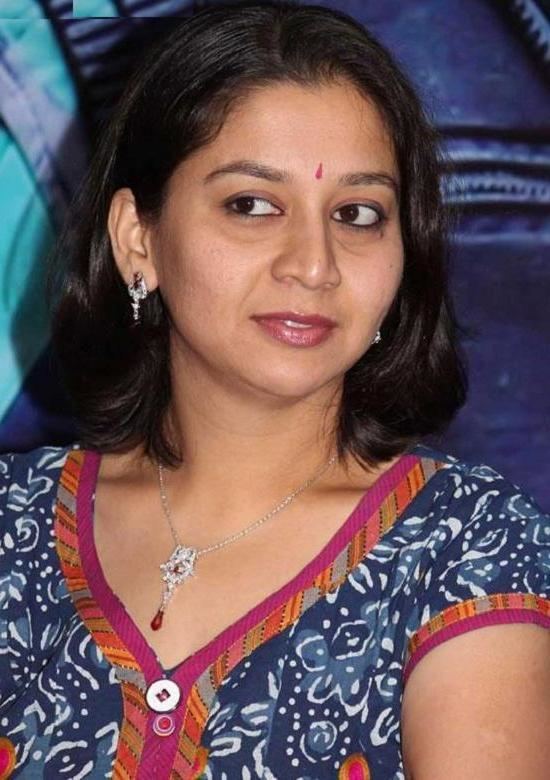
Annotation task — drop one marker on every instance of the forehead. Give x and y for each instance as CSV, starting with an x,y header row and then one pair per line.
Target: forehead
x,y
300,126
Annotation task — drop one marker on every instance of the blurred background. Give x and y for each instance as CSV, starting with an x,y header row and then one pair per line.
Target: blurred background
x,y
482,68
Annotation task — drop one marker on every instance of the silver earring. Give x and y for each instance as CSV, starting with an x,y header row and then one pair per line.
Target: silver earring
x,y
377,338
138,292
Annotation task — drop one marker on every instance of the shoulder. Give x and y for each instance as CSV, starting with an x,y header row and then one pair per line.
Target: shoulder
x,y
29,482
475,519
474,494
19,470
485,557
28,488
474,501
33,595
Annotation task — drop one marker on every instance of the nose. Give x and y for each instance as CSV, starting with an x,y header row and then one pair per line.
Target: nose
x,y
308,256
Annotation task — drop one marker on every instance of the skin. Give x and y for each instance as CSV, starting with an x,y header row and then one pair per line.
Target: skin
x,y
478,706
255,416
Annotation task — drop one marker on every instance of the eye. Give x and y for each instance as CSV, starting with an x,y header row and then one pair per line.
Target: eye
x,y
251,206
360,215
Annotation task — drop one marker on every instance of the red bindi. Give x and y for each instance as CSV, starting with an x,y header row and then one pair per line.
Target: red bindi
x,y
319,171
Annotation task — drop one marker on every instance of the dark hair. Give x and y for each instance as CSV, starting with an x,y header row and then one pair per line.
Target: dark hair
x,y
118,376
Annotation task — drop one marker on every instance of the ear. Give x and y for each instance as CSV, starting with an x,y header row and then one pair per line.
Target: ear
x,y
130,239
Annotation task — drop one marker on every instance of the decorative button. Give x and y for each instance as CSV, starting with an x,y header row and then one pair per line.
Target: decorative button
x,y
163,695
355,767
7,758
164,725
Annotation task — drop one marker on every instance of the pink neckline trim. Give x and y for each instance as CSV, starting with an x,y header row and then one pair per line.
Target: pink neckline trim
x,y
189,669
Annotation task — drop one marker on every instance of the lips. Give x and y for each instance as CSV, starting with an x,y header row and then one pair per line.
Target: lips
x,y
293,316
297,330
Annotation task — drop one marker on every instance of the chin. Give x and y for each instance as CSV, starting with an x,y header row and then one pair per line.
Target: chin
x,y
291,386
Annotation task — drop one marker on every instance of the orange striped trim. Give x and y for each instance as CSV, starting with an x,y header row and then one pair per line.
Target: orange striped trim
x,y
456,613
132,729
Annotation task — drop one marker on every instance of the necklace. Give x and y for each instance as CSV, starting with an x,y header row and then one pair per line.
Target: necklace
x,y
181,564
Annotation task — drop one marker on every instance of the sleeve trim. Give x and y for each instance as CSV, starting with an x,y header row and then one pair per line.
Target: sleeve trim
x,y
474,613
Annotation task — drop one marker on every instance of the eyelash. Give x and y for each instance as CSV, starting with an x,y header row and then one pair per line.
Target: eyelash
x,y
380,221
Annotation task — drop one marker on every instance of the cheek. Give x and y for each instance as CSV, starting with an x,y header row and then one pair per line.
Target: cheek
x,y
378,278
204,281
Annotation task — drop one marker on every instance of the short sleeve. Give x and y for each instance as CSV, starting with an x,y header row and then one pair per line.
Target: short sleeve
x,y
486,561
33,599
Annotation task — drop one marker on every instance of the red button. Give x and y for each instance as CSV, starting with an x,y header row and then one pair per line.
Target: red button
x,y
164,725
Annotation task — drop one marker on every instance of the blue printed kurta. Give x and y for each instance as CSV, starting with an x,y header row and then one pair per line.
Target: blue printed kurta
x,y
307,685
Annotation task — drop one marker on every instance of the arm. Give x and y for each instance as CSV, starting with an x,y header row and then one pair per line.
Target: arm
x,y
479,707
476,681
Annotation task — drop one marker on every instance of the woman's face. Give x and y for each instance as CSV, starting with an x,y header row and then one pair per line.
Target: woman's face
x,y
293,207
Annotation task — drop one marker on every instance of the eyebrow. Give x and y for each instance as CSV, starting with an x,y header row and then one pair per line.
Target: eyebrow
x,y
261,171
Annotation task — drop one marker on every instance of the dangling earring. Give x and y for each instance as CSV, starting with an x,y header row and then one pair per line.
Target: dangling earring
x,y
377,338
138,292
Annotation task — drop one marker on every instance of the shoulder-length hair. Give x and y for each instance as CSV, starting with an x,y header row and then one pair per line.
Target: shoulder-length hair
x,y
118,376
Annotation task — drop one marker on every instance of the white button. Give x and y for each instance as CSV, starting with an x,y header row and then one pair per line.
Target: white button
x,y
163,696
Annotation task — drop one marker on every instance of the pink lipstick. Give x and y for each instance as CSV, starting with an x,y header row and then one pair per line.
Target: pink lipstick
x,y
298,330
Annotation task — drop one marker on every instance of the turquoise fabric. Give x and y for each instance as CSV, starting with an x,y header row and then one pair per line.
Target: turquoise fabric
x,y
25,28
30,62
25,237
83,8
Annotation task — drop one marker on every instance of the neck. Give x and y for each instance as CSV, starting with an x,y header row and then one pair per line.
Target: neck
x,y
241,448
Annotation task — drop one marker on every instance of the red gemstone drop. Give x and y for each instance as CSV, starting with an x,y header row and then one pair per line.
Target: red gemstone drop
x,y
156,622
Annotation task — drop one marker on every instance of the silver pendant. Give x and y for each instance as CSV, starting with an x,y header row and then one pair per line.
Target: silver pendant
x,y
179,566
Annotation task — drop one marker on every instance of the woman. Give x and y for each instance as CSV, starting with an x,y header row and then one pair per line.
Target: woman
x,y
249,565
